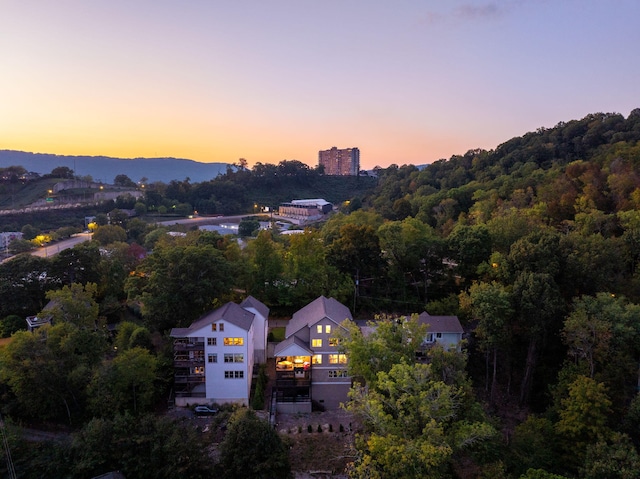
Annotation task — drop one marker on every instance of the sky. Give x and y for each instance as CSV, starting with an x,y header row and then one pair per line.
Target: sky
x,y
405,81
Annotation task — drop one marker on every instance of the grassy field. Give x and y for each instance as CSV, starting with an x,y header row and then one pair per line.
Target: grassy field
x,y
15,196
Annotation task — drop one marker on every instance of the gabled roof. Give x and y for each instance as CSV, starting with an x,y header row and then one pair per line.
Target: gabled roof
x,y
441,324
292,346
230,312
316,310
251,302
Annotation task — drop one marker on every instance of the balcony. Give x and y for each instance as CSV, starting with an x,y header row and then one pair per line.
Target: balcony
x,y
183,345
293,383
187,394
189,378
187,363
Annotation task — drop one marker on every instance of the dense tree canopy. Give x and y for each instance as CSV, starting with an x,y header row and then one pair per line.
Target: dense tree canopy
x,y
535,245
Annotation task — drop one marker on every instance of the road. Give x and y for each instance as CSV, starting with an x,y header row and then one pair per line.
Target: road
x,y
54,249
216,220
205,220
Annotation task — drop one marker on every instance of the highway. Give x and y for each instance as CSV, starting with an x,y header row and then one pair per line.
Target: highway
x,y
51,250
54,249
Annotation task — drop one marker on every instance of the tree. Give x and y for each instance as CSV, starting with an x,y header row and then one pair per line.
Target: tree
x,y
252,449
18,246
413,425
124,384
62,172
307,273
107,234
630,221
471,245
176,284
414,253
102,219
402,208
10,324
602,334
29,232
117,217
123,180
67,231
538,305
46,370
131,335
145,447
591,264
583,417
616,458
119,260
491,304
267,267
74,304
23,283
140,208
541,474
356,252
247,227
391,341
534,445
79,264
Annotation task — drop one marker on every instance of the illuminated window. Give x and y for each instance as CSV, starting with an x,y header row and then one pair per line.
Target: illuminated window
x,y
214,327
334,341
233,341
316,343
221,328
234,358
327,329
198,370
316,359
337,359
234,374
212,358
340,373
211,341
319,329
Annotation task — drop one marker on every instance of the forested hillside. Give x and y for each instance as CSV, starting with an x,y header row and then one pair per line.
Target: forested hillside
x,y
534,245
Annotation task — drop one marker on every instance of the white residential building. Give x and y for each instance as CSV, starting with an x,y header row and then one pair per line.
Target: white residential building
x,y
214,357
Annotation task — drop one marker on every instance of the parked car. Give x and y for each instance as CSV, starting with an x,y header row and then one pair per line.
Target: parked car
x,y
205,411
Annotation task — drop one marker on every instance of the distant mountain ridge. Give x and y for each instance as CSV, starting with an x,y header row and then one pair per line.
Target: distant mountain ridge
x,y
105,169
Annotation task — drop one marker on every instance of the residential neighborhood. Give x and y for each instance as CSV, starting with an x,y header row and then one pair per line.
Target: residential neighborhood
x,y
215,358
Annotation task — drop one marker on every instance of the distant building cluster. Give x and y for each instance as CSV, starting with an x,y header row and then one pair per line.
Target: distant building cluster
x,y
340,162
303,210
7,237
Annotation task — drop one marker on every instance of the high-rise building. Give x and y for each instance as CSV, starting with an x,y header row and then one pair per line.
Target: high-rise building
x,y
340,161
